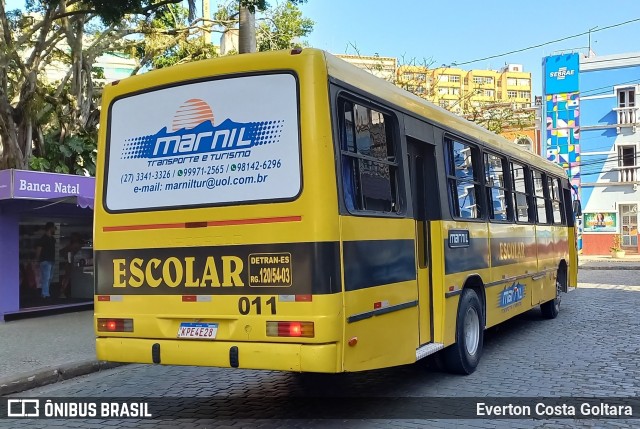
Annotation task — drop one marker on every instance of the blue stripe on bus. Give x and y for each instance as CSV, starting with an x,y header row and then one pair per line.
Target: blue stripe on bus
x,y
372,263
474,257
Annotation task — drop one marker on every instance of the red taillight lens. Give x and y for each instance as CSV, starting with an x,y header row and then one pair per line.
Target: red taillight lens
x,y
290,329
115,325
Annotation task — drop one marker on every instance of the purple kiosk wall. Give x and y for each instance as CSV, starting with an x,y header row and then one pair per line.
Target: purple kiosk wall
x,y
35,195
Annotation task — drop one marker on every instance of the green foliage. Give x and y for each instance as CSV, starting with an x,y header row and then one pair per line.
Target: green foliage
x,y
616,243
75,154
194,50
282,28
169,40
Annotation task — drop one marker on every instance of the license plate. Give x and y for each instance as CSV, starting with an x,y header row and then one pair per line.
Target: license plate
x,y
201,331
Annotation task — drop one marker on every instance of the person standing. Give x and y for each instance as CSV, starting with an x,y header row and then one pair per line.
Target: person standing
x,y
46,255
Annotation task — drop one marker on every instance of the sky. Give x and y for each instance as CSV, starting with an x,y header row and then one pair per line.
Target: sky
x,y
447,32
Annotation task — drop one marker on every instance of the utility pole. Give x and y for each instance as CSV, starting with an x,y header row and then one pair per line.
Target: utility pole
x,y
247,30
206,16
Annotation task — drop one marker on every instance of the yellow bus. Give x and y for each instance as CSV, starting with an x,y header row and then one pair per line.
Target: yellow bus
x,y
289,211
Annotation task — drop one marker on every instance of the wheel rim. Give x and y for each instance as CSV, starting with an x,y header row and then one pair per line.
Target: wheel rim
x,y
471,331
558,295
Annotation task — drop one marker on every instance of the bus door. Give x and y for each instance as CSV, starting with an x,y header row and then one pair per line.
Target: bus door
x,y
422,174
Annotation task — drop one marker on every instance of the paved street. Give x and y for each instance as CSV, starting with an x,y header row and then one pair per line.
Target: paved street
x,y
591,349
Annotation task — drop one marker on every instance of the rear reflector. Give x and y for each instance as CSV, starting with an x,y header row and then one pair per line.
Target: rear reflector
x,y
110,298
115,325
196,298
295,298
290,329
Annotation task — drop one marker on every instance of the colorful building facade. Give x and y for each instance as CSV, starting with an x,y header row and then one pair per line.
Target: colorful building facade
x,y
592,131
561,110
610,145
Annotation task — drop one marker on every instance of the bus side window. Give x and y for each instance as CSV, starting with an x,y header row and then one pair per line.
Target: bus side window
x,y
348,167
465,194
540,201
556,200
369,165
520,194
498,195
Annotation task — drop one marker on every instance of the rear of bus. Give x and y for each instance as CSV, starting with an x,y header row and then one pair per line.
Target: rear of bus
x,y
216,228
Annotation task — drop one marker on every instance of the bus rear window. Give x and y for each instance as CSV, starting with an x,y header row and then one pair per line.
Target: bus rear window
x,y
223,141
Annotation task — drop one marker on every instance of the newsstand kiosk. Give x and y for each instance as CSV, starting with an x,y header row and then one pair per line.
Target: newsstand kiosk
x,y
28,200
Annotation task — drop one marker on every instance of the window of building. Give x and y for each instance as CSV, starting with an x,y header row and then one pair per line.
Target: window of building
x,y
466,80
524,142
540,204
627,163
478,80
524,94
521,193
489,93
463,180
512,94
626,97
454,78
495,169
512,81
421,77
369,165
488,80
626,105
523,82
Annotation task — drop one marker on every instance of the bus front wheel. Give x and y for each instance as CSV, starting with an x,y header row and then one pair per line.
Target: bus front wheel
x,y
463,356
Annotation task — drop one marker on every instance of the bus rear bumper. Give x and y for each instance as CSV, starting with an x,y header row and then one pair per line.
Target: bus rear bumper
x,y
271,356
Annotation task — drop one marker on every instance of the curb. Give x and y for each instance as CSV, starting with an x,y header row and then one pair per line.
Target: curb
x,y
608,267
51,375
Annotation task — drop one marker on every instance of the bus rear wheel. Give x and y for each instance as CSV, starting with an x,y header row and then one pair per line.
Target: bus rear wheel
x,y
463,356
550,309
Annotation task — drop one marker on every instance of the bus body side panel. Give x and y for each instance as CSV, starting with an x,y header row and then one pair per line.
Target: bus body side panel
x,y
513,270
462,261
573,256
381,295
217,264
553,247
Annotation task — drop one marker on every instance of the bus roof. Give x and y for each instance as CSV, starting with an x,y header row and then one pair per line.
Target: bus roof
x,y
348,73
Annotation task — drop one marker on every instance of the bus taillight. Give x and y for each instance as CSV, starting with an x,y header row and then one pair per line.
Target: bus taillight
x,y
115,325
290,329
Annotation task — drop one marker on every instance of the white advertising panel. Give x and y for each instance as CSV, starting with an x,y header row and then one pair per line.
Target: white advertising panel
x,y
216,142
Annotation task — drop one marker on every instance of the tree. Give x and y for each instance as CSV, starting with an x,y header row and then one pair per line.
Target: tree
x,y
57,119
32,42
246,25
281,27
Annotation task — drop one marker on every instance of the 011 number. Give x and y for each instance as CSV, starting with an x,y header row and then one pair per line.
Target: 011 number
x,y
245,305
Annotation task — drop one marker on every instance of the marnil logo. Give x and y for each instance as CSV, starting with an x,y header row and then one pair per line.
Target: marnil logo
x,y
511,295
193,131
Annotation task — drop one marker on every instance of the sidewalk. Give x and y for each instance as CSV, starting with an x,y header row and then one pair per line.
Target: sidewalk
x,y
47,349
628,262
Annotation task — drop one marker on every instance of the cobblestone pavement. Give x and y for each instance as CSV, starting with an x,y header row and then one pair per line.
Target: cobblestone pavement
x,y
591,350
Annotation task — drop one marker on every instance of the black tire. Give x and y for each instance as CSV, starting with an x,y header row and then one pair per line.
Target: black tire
x,y
463,356
550,309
